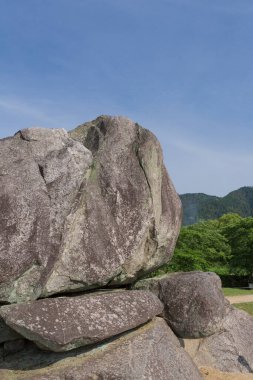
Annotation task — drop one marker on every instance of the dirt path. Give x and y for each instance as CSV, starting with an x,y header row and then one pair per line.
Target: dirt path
x,y
240,299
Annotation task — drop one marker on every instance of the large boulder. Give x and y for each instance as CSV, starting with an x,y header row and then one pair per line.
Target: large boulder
x,y
194,305
228,351
127,219
79,211
149,352
41,171
65,323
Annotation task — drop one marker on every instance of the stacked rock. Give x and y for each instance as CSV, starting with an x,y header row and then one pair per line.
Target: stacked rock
x,y
84,215
215,334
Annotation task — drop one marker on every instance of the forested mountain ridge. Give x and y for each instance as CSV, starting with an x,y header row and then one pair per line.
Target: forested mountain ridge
x,y
199,206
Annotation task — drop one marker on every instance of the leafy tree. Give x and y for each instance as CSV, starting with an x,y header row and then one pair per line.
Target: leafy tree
x,y
240,238
187,259
229,219
200,247
206,245
223,245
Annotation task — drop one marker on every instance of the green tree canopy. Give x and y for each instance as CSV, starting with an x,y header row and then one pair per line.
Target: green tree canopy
x,y
200,247
240,238
223,245
229,219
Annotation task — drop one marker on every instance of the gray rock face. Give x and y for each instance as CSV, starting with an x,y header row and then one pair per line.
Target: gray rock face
x,y
151,352
41,171
6,333
13,346
194,305
92,208
65,323
230,350
128,216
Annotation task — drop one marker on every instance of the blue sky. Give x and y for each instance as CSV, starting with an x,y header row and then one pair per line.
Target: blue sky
x,y
182,68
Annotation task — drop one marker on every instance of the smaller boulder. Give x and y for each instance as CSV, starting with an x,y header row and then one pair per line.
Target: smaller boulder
x,y
194,305
65,323
228,351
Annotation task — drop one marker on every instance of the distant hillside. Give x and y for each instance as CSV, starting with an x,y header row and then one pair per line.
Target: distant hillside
x,y
198,206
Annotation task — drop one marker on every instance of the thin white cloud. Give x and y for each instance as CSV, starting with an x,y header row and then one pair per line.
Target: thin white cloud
x,y
20,108
217,155
196,167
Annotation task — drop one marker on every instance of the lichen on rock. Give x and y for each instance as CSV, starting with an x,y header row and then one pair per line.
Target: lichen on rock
x,y
91,208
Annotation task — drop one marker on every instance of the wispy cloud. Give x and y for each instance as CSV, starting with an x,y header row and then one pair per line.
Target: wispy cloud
x,y
220,156
208,169
20,108
224,6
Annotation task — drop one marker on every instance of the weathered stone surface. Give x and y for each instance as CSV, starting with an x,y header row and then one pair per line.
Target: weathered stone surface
x,y
6,333
194,305
214,374
13,346
128,216
41,171
70,221
65,323
228,351
150,352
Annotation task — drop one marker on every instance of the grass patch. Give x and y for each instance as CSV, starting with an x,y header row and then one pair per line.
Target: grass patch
x,y
248,307
236,291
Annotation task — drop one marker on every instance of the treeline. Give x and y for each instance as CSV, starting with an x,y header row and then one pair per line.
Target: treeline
x,y
223,245
199,206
